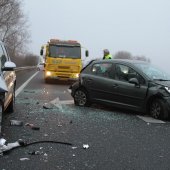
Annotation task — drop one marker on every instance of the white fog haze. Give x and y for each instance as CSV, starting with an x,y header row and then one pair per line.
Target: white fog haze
x,y
141,27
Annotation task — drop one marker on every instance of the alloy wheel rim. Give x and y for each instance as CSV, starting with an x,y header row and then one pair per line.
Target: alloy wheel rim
x,y
156,110
80,98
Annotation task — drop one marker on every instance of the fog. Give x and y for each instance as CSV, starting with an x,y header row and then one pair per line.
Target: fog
x,y
140,27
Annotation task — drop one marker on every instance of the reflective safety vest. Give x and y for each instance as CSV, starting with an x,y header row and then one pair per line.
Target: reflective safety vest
x,y
109,56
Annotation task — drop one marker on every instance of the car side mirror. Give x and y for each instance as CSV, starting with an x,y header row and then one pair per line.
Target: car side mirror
x,y
134,81
41,52
9,66
87,53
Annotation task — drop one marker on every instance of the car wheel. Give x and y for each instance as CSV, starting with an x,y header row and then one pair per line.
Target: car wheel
x,y
81,98
158,109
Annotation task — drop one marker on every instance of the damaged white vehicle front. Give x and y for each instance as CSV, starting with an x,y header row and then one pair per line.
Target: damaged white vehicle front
x,y
7,82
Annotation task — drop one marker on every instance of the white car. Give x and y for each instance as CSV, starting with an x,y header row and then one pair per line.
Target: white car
x,y
7,81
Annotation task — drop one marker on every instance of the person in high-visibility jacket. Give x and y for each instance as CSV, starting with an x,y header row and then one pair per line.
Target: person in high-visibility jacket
x,y
107,54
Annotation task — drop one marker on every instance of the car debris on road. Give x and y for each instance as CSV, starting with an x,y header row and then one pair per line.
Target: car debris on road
x,y
16,123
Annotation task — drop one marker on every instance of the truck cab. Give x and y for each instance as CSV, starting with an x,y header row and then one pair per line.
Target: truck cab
x,y
62,59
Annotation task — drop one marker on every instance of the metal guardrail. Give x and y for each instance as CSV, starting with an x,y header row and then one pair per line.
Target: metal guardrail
x,y
25,68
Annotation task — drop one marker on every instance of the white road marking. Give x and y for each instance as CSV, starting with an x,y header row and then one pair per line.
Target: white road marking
x,y
148,119
56,102
67,102
23,85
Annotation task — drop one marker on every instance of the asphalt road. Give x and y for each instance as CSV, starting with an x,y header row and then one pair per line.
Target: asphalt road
x,y
97,137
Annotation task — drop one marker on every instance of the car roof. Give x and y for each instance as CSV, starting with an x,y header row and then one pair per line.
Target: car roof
x,y
127,61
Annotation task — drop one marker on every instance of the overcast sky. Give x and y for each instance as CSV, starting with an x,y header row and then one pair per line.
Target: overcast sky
x,y
141,27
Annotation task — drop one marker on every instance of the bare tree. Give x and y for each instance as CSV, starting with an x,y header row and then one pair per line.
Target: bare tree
x,y
13,26
123,55
142,58
31,59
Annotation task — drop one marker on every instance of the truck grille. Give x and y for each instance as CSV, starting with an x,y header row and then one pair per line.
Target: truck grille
x,y
63,67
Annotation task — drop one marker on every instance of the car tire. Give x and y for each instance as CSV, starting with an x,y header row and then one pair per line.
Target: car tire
x,y
158,109
81,98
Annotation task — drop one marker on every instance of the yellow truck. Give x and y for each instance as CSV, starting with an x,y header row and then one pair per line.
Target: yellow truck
x,y
62,59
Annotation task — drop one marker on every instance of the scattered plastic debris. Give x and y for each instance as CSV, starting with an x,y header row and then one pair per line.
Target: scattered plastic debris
x,y
35,128
2,141
34,153
85,146
24,159
74,147
48,106
45,154
32,126
29,124
6,147
16,123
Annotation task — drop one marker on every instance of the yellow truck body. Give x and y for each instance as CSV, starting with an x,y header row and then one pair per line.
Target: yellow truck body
x,y
63,60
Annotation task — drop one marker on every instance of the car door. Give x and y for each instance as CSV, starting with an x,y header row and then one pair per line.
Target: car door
x,y
128,94
100,82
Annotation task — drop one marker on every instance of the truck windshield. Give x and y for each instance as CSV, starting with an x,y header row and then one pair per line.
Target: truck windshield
x,y
62,51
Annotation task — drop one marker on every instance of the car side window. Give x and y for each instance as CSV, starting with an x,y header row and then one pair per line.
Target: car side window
x,y
125,73
102,69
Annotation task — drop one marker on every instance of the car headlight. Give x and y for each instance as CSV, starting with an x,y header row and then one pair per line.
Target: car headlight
x,y
167,89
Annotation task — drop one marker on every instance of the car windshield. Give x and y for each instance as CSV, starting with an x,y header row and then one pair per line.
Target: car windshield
x,y
153,72
65,51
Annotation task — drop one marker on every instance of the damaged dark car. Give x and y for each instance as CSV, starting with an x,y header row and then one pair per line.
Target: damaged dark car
x,y
7,81
126,84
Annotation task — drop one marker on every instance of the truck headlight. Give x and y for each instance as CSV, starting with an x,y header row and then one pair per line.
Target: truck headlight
x,y
77,75
48,73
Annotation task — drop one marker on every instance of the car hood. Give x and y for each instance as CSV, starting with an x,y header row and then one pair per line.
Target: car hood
x,y
163,83
3,87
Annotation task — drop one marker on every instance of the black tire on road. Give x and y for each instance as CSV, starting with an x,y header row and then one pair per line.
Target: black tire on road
x,y
158,109
81,98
